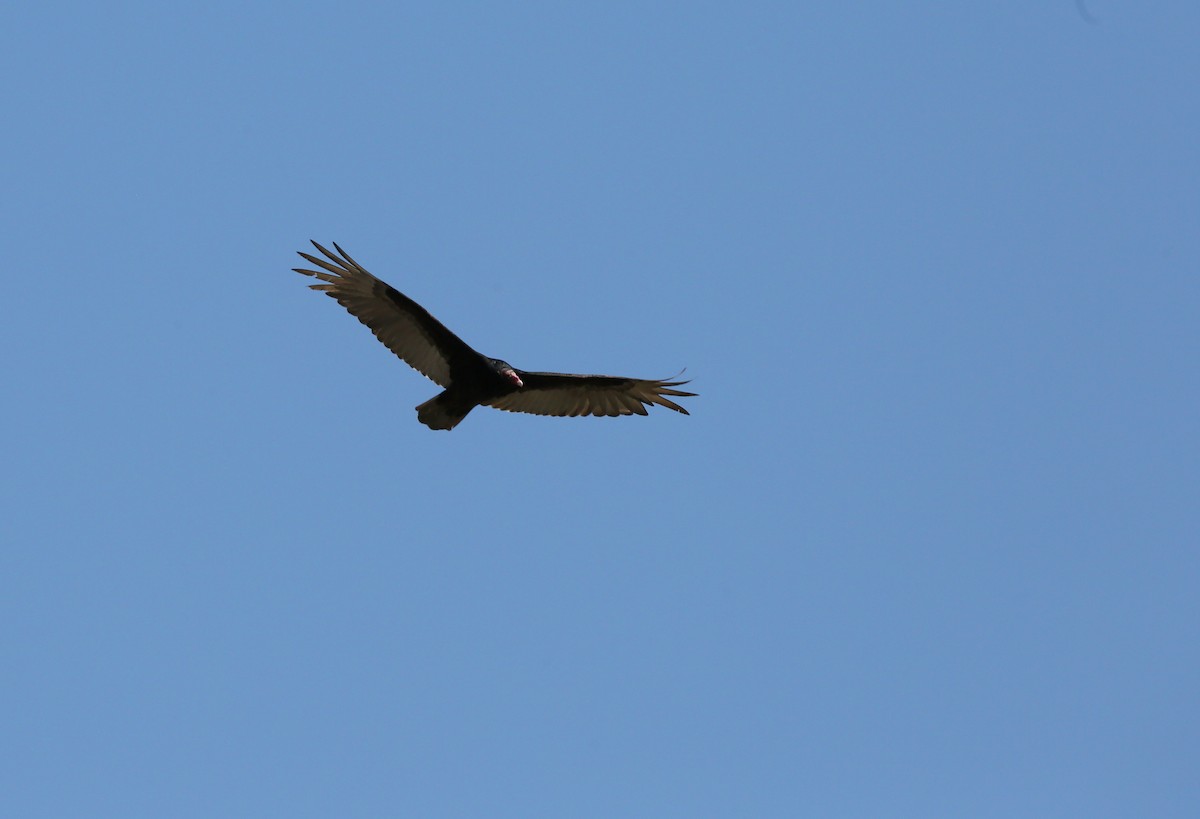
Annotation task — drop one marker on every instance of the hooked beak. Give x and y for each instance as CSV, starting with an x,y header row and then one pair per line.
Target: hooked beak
x,y
513,377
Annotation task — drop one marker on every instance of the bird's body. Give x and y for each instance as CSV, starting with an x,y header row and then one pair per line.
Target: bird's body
x,y
468,377
471,383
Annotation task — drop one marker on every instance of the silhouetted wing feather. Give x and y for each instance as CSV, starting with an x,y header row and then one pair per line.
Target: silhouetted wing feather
x,y
405,327
566,394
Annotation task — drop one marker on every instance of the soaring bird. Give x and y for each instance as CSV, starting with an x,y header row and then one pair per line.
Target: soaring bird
x,y
467,377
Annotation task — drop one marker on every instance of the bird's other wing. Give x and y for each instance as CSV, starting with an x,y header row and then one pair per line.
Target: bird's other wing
x,y
566,394
405,327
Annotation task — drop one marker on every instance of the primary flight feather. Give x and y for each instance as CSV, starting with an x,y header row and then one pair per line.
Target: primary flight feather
x,y
467,377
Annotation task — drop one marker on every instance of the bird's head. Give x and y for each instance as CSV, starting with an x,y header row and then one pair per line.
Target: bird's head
x,y
507,371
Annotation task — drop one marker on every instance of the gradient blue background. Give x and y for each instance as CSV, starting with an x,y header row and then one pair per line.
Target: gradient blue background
x,y
927,545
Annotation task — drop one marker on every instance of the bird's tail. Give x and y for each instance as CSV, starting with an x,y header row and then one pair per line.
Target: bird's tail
x,y
442,411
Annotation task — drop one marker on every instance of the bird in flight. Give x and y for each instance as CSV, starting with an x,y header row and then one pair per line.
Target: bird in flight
x,y
467,377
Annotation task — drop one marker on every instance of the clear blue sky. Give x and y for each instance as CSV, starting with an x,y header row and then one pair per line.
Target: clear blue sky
x,y
927,545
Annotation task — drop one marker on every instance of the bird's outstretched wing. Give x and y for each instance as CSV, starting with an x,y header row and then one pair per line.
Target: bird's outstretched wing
x,y
405,327
567,394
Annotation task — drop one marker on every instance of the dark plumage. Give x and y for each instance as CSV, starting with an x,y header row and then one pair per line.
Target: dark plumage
x,y
469,378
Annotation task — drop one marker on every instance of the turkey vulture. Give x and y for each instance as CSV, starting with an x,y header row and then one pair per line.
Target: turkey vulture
x,y
469,378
